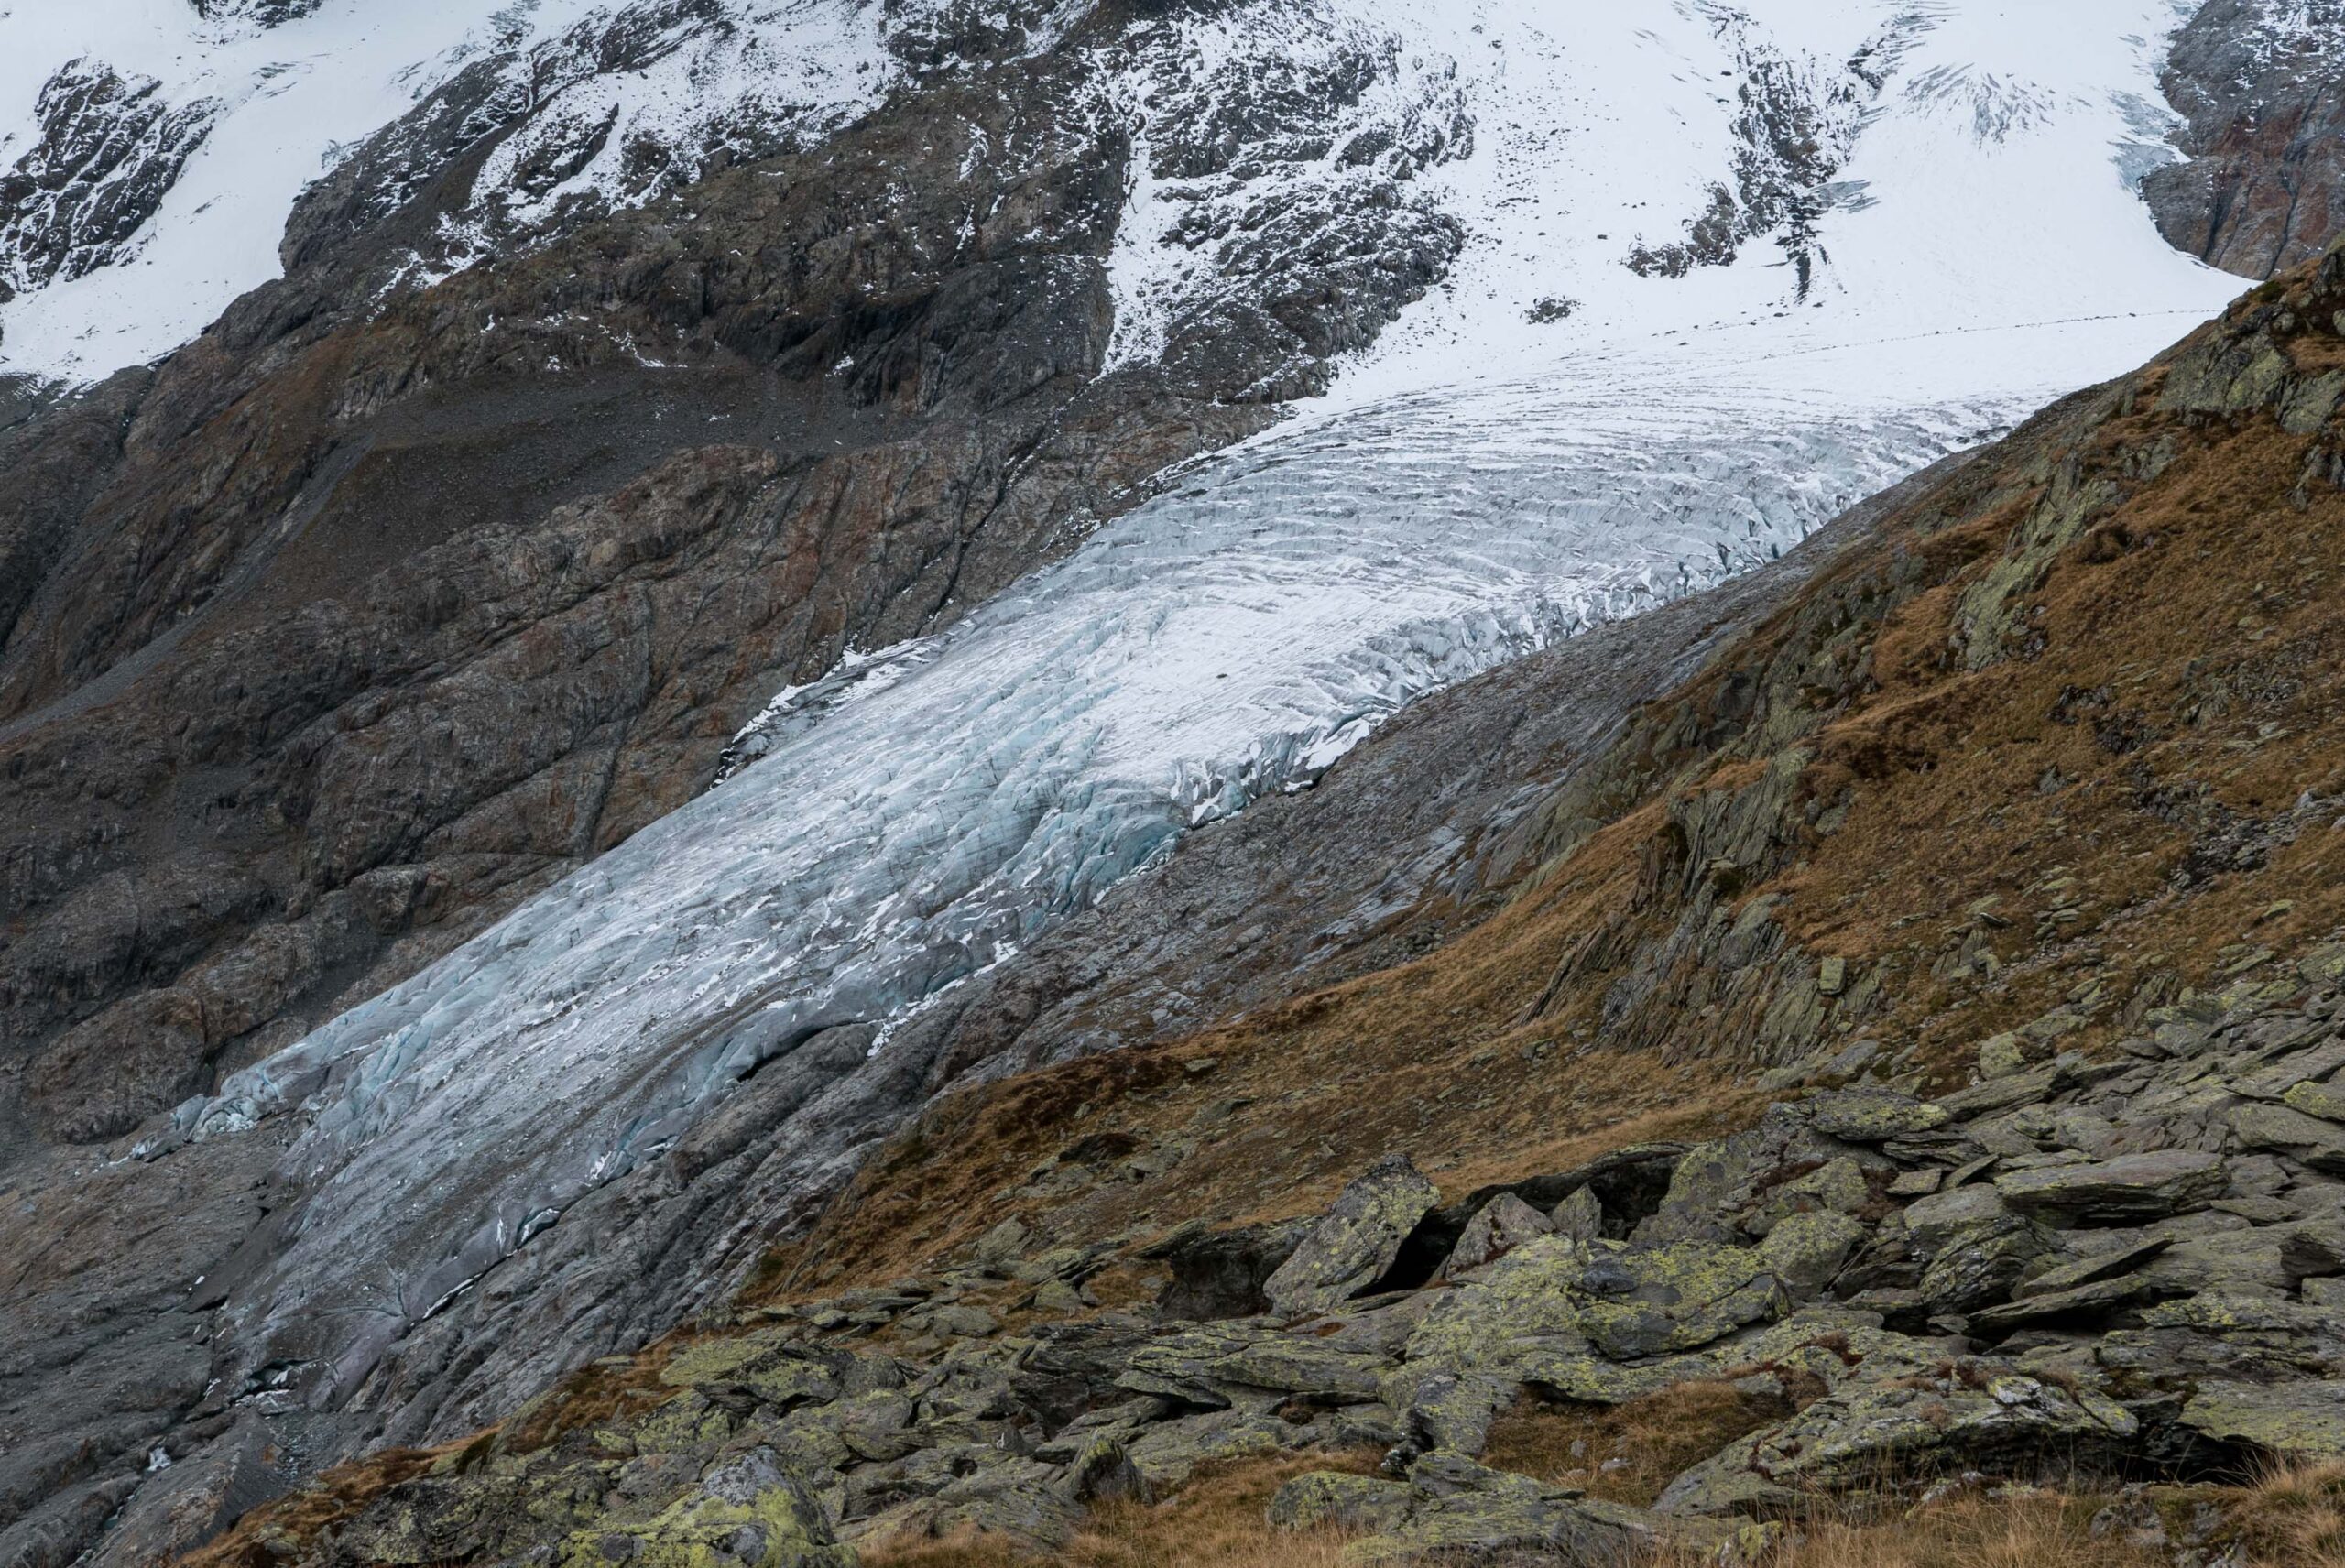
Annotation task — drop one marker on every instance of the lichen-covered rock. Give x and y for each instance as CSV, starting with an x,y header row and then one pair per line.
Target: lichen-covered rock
x,y
1167,1453
1716,1185
1981,1263
1461,1512
2101,1265
1550,1300
746,1514
2302,1419
1504,1223
1105,1472
1352,1246
2132,1187
2318,1143
1931,1221
1445,1410
1873,1115
2326,1100
1333,1498
1804,1251
1579,1217
1200,1365
2088,1303
1980,1413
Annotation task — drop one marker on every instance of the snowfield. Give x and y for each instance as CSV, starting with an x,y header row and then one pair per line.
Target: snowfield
x,y
1549,439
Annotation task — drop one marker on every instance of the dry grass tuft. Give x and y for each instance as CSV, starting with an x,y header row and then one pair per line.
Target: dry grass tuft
x,y
1646,1441
2047,1530
1216,1521
2293,1516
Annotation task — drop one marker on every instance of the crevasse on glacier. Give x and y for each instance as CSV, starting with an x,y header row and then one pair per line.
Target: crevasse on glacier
x,y
1235,636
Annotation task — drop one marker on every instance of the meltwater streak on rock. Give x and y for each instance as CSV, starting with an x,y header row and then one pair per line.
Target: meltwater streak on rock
x,y
1216,644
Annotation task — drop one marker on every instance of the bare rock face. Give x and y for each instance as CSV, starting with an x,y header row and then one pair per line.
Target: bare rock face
x,y
2261,87
268,13
110,147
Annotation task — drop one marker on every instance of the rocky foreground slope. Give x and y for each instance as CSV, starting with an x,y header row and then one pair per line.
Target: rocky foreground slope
x,y
2127,1266
2001,848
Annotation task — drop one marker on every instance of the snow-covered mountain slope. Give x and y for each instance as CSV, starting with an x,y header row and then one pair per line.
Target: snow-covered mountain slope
x,y
258,101
1722,272
159,146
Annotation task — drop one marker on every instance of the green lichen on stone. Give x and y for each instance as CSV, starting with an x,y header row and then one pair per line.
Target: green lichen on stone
x,y
2326,1100
2300,1420
1552,1297
687,1422
1356,1242
717,1360
778,1526
1873,1115
1333,1499
1804,1251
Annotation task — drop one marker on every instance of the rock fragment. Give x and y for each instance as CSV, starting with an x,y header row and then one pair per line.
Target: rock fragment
x,y
1351,1248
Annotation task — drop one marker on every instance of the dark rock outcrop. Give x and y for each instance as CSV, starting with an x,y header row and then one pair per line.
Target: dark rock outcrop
x,y
2261,87
110,147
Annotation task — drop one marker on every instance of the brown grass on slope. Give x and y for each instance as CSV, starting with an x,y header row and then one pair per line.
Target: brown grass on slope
x,y
1216,1521
2292,1517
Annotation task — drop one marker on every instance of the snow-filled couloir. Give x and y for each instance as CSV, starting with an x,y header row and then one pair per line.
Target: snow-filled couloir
x,y
1723,271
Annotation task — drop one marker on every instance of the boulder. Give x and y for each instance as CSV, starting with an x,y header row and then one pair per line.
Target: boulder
x,y
2079,1303
1460,1511
2319,1144
2129,1188
1503,1223
1580,1216
1837,1186
2302,1419
1550,1298
1442,1409
1981,1264
1167,1453
2001,1056
1199,1365
2030,1086
1351,1247
1933,1221
1873,1115
1720,1188
1104,1472
2326,1100
1804,1251
1324,1500
748,1511
2097,1265
1985,1414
